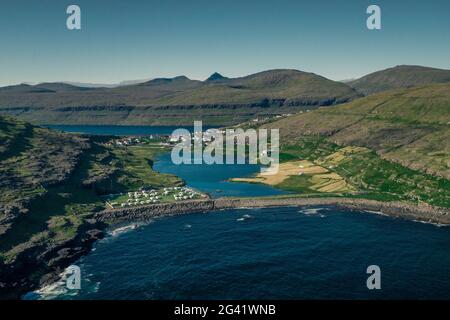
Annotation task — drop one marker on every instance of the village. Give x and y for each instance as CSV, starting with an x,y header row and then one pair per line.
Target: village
x,y
137,140
152,196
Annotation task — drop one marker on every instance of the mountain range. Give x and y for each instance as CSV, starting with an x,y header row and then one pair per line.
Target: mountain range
x,y
217,101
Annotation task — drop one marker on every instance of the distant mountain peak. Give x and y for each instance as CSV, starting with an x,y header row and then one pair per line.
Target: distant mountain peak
x,y
216,76
159,81
401,76
178,78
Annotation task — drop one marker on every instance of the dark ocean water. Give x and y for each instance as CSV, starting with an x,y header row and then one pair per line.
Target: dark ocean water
x,y
272,253
275,253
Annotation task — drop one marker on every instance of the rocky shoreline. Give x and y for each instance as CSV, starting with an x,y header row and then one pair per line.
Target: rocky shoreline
x,y
41,265
14,282
424,213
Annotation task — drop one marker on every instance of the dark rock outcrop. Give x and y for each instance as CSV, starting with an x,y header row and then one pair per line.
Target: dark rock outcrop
x,y
42,264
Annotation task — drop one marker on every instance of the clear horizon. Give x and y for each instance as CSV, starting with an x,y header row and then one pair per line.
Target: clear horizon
x,y
134,40
123,82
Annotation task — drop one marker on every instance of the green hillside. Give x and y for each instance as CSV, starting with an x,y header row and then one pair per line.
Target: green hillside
x,y
399,77
408,126
51,185
280,87
218,100
64,173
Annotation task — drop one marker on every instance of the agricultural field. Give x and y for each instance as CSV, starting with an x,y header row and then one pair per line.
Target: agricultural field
x,y
406,126
303,175
314,166
364,172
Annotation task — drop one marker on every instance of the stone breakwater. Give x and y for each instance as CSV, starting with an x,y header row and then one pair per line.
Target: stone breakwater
x,y
155,210
423,213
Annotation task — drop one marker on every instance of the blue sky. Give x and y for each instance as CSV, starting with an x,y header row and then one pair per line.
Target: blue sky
x,y
125,40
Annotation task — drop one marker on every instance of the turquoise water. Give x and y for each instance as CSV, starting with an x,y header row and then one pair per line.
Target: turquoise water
x,y
213,178
208,178
271,253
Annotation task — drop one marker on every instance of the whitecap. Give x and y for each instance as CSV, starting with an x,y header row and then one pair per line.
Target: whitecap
x,y
245,217
95,287
56,289
123,229
436,224
310,211
380,213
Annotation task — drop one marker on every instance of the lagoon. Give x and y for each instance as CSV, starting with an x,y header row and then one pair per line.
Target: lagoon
x,y
213,179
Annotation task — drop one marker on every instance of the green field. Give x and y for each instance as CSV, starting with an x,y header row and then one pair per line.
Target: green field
x,y
373,177
135,164
78,173
408,126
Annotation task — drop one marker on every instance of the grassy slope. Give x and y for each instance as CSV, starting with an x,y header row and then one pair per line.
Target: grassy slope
x,y
399,77
176,100
409,126
290,85
371,176
31,160
55,181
